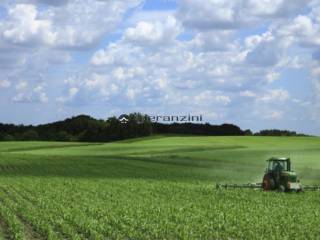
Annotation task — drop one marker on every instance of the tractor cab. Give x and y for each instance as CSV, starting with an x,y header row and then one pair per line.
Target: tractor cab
x,y
279,164
279,176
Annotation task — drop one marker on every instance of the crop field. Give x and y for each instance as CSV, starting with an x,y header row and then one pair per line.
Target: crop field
x,y
155,188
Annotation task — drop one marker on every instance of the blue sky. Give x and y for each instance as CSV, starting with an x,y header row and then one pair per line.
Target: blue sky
x,y
252,63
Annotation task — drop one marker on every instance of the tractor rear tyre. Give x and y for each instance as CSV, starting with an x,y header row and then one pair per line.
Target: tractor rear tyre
x,y
268,183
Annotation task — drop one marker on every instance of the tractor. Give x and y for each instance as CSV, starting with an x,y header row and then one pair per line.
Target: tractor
x,y
279,176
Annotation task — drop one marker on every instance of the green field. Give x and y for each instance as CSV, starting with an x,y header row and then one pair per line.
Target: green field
x,y
155,188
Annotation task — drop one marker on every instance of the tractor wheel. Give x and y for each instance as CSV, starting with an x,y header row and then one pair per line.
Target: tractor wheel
x,y
268,183
281,188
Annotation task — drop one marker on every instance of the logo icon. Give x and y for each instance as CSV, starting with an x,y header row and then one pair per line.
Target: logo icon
x,y
124,118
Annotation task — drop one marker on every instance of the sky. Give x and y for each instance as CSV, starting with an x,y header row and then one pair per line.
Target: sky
x,y
252,63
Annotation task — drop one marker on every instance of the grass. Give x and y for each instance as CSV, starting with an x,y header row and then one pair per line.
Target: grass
x,y
155,188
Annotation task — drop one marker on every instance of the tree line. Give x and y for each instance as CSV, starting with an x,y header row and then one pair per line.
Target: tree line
x,y
88,129
276,132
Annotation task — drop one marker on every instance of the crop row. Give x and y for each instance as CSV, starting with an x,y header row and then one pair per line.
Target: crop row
x,y
98,209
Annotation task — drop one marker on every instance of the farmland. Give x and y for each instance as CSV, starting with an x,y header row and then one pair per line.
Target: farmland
x,y
155,188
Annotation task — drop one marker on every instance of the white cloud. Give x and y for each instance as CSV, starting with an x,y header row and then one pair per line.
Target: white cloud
x,y
214,41
149,16
131,93
21,97
41,95
267,53
49,2
272,76
275,8
274,95
223,14
301,25
273,115
36,95
219,71
253,41
153,33
162,83
211,14
102,84
21,85
117,54
96,81
210,97
72,92
303,29
75,24
4,84
24,27
247,93
121,73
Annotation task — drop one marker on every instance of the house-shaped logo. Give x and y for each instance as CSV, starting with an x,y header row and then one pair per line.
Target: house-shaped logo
x,y
124,118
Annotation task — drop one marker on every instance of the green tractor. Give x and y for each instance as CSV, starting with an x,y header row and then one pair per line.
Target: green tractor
x,y
279,176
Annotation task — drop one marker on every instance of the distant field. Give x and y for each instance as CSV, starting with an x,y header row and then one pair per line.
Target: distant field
x,y
155,188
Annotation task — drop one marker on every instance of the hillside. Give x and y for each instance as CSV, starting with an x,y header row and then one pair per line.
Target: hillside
x,y
154,188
